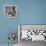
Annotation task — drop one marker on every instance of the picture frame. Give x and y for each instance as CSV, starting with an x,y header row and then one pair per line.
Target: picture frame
x,y
10,11
34,30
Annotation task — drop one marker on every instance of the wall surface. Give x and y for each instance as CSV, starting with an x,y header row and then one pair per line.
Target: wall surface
x,y
33,12
28,12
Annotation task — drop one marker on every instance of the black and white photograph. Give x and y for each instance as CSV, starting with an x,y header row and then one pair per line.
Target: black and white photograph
x,y
10,11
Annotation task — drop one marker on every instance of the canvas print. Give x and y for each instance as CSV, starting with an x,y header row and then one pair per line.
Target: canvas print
x,y
10,11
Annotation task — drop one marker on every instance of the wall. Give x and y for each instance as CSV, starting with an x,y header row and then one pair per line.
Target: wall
x,y
33,12
7,25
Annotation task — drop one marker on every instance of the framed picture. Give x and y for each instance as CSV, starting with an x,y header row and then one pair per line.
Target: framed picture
x,y
32,32
10,11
